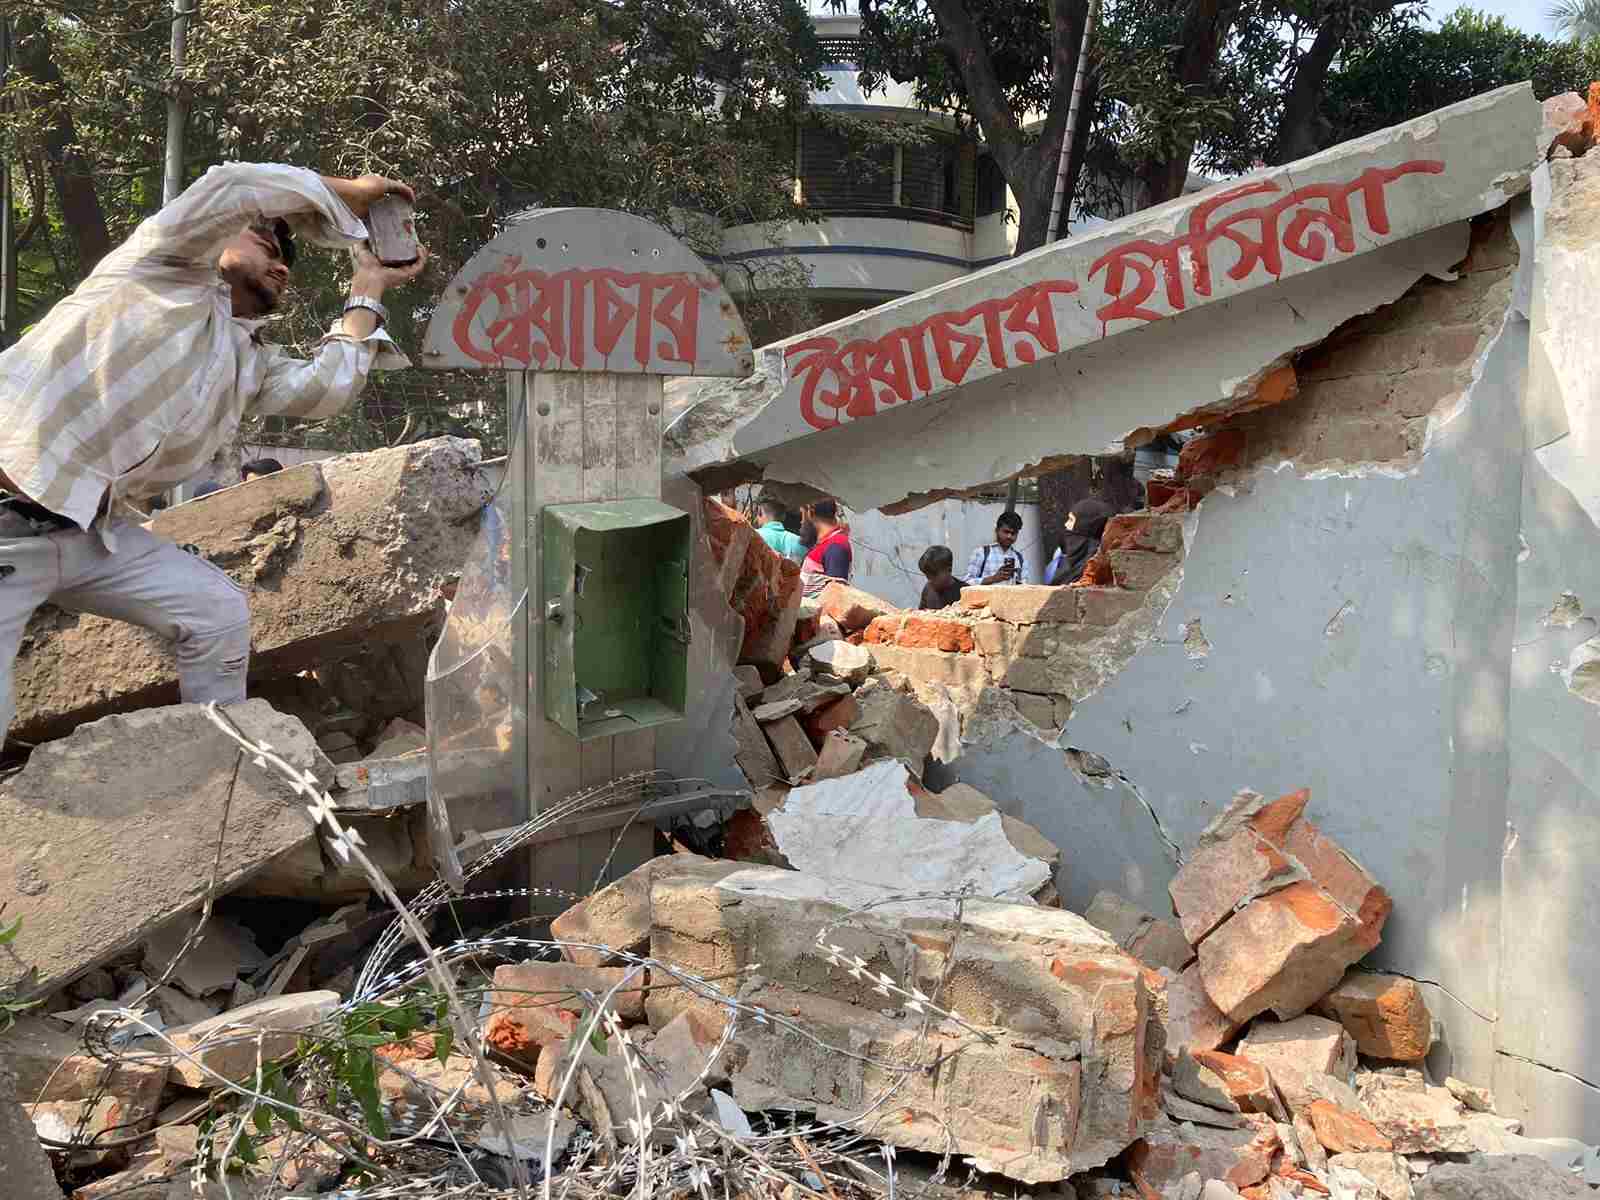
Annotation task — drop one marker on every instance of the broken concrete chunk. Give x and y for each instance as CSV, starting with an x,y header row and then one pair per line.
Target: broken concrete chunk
x,y
333,556
1164,1155
841,754
400,737
224,951
1508,1177
796,754
894,725
617,917
1028,604
23,1164
230,1045
1387,1172
852,664
1155,943
754,754
1193,1022
1341,1131
866,828
106,828
1060,1091
1227,1082
765,714
1299,1054
1477,1099
1416,1119
747,679
851,607
1386,1014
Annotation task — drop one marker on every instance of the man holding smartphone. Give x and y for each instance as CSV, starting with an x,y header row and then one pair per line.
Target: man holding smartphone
x,y
130,385
1000,561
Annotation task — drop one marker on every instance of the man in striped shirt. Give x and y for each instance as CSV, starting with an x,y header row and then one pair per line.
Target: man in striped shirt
x,y
131,384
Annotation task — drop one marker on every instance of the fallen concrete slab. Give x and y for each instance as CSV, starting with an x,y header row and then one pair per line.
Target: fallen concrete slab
x,y
113,831
1064,1086
1035,332
334,556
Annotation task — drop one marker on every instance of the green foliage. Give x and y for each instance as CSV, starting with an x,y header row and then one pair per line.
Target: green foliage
x,y
667,109
1578,20
1407,70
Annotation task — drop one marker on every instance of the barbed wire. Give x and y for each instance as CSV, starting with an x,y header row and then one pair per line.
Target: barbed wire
x,y
667,1140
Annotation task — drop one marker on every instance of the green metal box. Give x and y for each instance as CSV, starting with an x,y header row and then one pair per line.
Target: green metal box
x,y
616,615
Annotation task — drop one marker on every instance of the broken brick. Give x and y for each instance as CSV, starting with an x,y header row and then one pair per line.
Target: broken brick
x,y
1282,952
1298,1054
1140,570
841,714
931,633
1105,605
841,753
1193,1022
1143,531
1211,453
1386,1014
1341,1131
794,749
1226,1082
851,607
1160,1159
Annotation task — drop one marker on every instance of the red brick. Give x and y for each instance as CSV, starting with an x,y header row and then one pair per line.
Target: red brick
x,y
853,608
1386,1014
762,586
1343,1132
1162,495
1211,453
975,597
1106,605
1143,531
1140,570
883,630
841,714
930,633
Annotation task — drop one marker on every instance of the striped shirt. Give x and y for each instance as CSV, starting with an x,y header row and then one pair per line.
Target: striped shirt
x,y
131,384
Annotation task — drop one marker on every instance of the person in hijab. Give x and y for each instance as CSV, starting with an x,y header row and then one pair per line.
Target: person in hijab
x,y
1084,525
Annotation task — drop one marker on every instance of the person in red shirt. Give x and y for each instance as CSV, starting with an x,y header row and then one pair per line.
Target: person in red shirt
x,y
830,557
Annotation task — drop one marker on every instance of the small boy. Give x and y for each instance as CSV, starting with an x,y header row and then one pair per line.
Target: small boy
x,y
943,588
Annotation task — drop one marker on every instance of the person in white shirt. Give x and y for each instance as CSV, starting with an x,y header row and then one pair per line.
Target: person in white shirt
x,y
1000,561
130,385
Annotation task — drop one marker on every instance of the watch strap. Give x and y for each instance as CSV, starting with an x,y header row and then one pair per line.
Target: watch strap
x,y
373,306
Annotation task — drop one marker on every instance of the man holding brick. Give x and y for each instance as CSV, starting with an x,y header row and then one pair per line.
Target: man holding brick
x,y
130,385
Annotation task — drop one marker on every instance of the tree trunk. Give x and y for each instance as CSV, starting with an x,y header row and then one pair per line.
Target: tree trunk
x,y
70,176
1300,129
1205,31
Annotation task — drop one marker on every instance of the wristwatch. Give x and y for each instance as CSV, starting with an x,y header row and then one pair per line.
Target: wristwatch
x,y
371,305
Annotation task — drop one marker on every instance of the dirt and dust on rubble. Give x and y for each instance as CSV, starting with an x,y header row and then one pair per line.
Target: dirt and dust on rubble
x,y
236,975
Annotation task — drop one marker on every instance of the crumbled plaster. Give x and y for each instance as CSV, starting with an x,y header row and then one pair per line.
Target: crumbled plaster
x,y
1566,612
1582,672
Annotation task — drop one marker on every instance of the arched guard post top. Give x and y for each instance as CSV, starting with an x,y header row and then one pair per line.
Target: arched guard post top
x,y
587,289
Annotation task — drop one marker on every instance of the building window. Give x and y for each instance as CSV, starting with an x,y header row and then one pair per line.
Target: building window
x,y
837,173
991,187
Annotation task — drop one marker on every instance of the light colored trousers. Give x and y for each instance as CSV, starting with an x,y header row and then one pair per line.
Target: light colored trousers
x,y
147,581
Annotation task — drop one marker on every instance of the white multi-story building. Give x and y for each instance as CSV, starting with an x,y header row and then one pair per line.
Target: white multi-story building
x,y
894,219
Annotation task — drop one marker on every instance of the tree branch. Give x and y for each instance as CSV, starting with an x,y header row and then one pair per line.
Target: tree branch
x,y
965,43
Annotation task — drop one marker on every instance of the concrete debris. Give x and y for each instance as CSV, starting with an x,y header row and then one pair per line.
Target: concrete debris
x,y
1478,1099
1514,1177
1276,910
334,556
754,754
1388,1173
748,679
789,741
107,828
617,917
1341,1131
1227,1082
563,986
1163,1156
894,725
841,660
1387,1015
880,827
1155,943
840,755
224,951
232,1044
1193,1022
1415,1117
852,608
1062,1089
23,1164
1300,1054
532,1137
